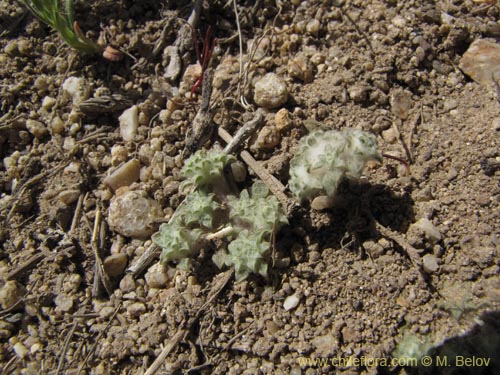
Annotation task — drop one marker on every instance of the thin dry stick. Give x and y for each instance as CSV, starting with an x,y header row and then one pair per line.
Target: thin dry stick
x,y
76,216
148,257
100,277
219,284
67,340
419,116
401,140
401,241
273,184
97,340
245,132
27,184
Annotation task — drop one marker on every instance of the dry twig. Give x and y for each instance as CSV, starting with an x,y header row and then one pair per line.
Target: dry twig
x,y
274,185
101,279
218,285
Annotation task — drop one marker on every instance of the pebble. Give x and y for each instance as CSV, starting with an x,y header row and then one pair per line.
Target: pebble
x,y
129,122
429,263
48,102
300,68
191,75
481,62
115,264
119,154
72,283
268,138
270,91
36,128
496,124
239,171
313,27
69,197
136,309
64,302
291,302
10,294
322,202
282,119
358,93
76,89
124,175
431,233
326,345
401,103
20,350
134,214
127,283
57,125
157,276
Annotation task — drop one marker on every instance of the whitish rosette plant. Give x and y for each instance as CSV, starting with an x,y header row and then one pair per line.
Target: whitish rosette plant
x,y
324,158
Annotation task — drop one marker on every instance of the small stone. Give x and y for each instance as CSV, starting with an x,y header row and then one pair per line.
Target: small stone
x,y
64,302
429,263
114,264
57,125
239,171
127,283
313,27
481,62
69,197
282,119
119,154
72,283
389,135
36,128
191,75
129,122
291,302
270,91
124,175
136,309
267,139
48,102
326,345
322,202
496,124
76,89
133,214
358,93
432,234
25,46
401,103
300,68
157,276
10,294
20,350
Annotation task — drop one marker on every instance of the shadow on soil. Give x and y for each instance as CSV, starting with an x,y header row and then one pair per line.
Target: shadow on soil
x,y
476,352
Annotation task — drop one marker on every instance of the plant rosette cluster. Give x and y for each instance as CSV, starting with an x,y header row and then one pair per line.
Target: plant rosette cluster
x,y
248,221
324,158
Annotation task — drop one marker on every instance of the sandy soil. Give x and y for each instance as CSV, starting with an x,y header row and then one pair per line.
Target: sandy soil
x,y
409,264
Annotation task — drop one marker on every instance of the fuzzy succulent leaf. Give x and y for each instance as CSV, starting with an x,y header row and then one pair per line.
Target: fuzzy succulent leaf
x,y
204,168
199,209
324,158
258,211
176,241
247,254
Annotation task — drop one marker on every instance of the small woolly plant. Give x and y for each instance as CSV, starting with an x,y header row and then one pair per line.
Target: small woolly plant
x,y
324,158
248,220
